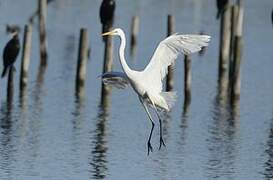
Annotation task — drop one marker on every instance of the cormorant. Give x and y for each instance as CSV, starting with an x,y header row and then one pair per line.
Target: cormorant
x,y
221,5
107,10
11,52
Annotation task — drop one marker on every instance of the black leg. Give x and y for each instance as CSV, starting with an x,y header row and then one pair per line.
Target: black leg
x,y
161,141
150,148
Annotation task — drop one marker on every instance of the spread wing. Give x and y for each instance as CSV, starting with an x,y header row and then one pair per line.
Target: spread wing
x,y
168,51
116,79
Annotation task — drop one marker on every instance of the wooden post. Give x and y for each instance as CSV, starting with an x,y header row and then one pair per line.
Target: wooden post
x,y
236,78
10,84
108,55
225,40
134,33
134,30
187,80
42,29
82,59
170,31
234,17
234,14
225,34
107,65
25,56
108,59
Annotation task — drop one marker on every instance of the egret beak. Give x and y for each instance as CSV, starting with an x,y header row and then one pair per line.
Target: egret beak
x,y
107,33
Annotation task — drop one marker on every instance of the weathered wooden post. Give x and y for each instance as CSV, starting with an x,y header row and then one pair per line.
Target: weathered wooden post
x,y
225,34
82,59
134,33
10,84
234,17
108,65
134,30
108,55
25,56
238,47
169,77
42,29
187,79
107,12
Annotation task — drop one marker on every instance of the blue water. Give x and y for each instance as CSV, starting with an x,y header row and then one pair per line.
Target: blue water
x,y
50,134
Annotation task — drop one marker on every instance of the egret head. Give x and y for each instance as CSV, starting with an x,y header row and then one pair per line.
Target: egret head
x,y
114,32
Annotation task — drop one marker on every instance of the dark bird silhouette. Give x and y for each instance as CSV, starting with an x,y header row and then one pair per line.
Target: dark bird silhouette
x,y
107,10
11,52
221,6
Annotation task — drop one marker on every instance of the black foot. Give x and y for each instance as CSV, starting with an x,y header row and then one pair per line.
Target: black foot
x,y
150,148
161,143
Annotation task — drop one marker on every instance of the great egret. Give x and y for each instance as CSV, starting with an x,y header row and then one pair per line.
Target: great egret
x,y
11,52
148,82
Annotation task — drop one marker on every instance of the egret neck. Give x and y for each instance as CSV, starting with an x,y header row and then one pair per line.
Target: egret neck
x,y
124,65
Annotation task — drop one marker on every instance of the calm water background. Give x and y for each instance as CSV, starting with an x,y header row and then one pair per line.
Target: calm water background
x,y
49,134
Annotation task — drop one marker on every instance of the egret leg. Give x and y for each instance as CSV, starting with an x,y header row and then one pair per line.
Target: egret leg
x,y
161,142
150,148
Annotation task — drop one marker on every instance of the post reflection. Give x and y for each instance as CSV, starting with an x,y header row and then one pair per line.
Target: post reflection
x,y
39,82
38,90
184,121
268,165
23,97
79,108
6,147
221,139
98,159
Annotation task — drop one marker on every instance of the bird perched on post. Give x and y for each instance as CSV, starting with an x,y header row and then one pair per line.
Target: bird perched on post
x,y
221,6
148,82
107,10
10,52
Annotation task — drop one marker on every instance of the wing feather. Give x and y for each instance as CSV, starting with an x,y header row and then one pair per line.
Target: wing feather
x,y
167,52
116,79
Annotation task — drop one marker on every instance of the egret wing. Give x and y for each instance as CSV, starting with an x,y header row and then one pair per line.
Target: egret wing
x,y
168,51
116,79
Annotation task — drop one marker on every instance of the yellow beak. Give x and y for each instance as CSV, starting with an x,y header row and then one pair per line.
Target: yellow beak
x,y
107,33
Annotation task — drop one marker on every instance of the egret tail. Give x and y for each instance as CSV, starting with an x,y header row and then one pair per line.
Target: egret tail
x,y
170,98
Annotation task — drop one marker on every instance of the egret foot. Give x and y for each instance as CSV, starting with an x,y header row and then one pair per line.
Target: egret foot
x,y
161,143
150,148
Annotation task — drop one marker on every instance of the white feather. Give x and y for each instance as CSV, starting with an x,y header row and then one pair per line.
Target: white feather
x,y
116,79
167,52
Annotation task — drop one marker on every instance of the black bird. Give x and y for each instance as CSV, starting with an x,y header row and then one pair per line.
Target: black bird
x,y
11,52
221,6
107,10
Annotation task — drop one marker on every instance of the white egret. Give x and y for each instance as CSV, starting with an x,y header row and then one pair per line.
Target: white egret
x,y
148,82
